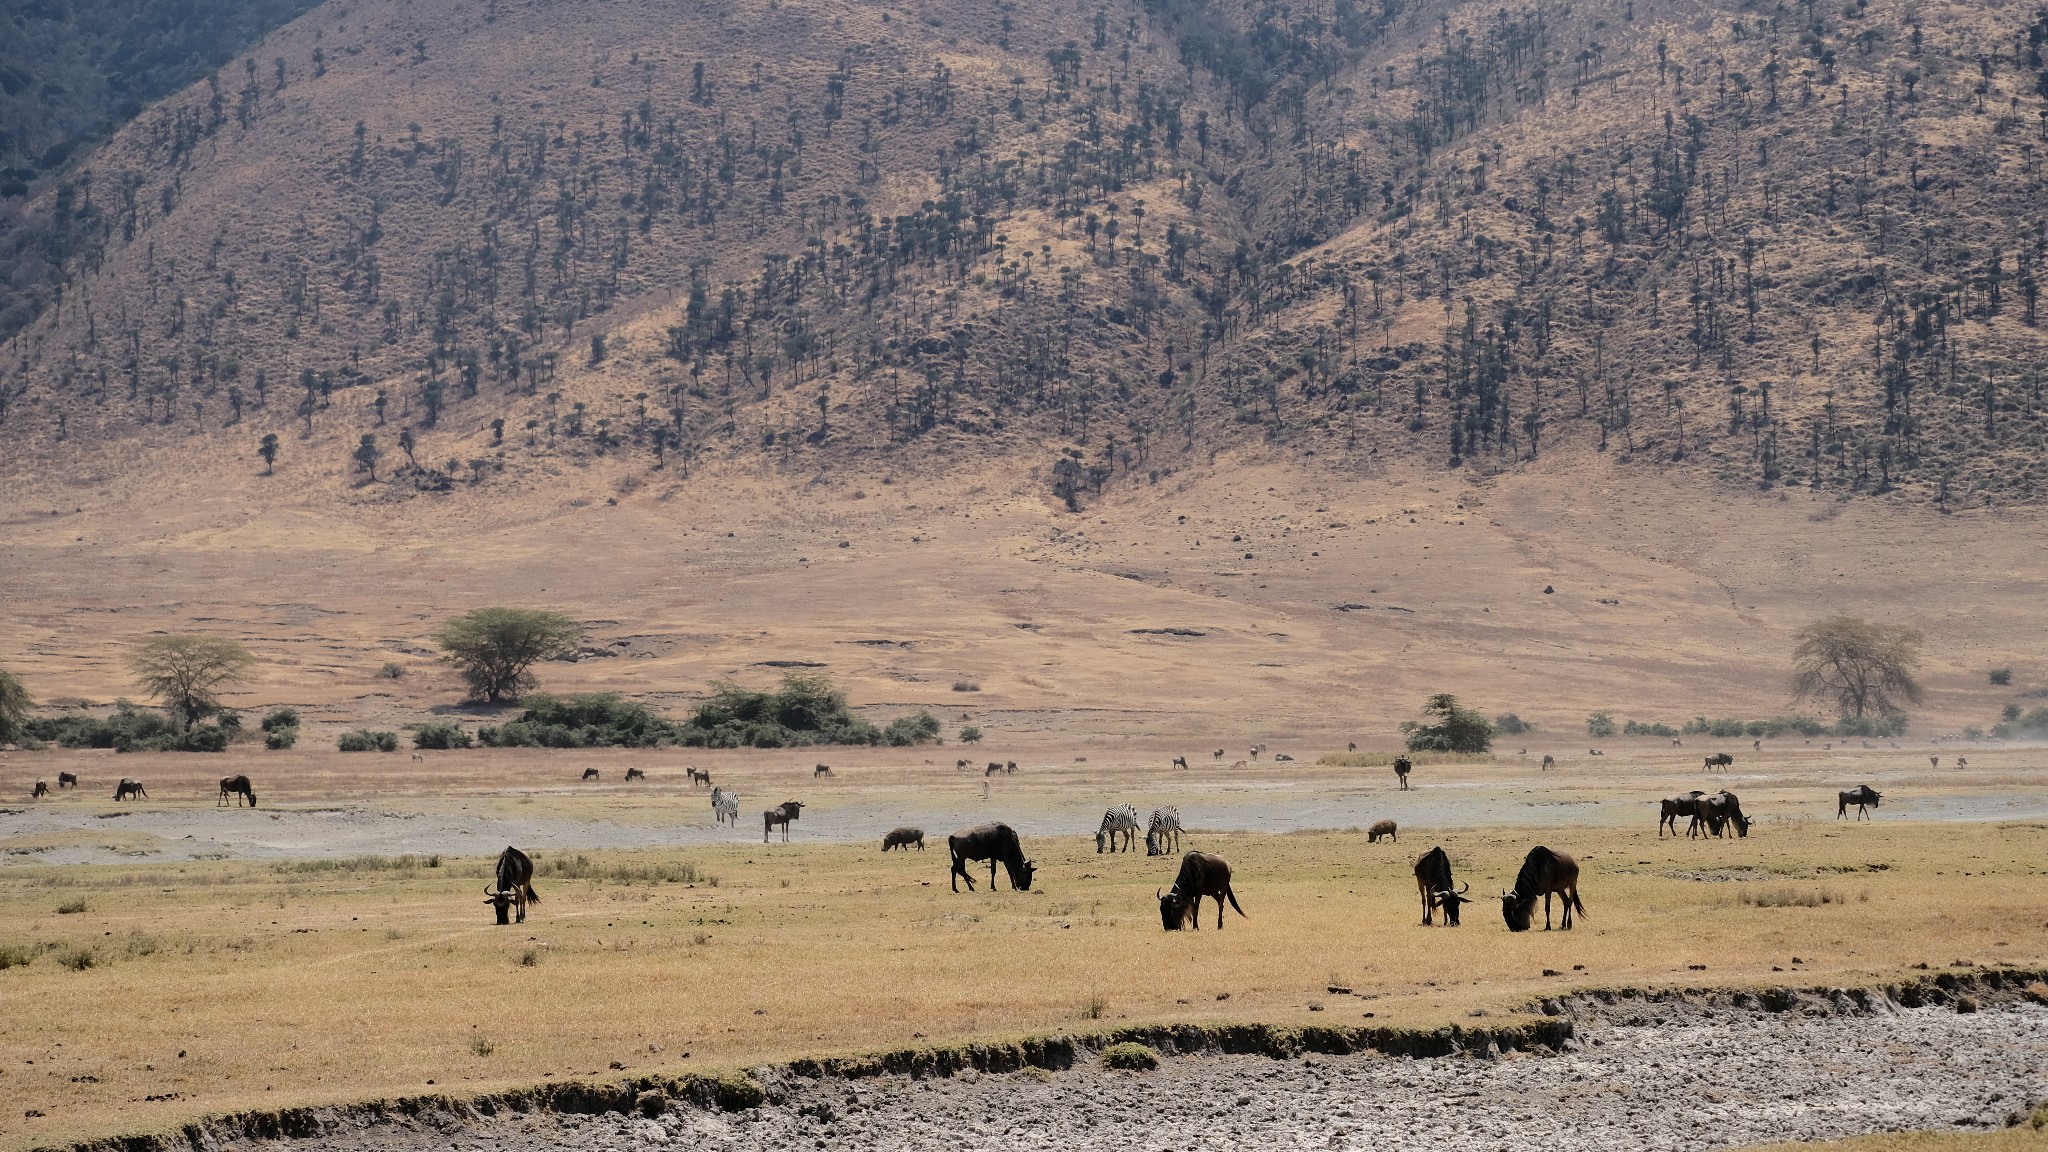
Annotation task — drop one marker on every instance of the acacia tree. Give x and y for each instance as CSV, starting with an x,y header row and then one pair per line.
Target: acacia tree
x,y
187,672
495,649
268,450
15,706
1457,728
1856,666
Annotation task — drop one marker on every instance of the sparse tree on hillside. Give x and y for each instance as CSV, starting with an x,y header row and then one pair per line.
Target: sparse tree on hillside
x,y
187,673
406,444
1856,666
367,454
1457,728
268,450
15,706
495,649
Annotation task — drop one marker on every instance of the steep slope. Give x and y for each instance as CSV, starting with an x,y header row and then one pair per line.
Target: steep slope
x,y
1786,248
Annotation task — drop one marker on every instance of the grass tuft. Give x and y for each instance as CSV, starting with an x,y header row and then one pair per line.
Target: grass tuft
x,y
1130,1056
71,907
1386,759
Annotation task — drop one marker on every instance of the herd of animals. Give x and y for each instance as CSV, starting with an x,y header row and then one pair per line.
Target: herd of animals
x,y
1545,872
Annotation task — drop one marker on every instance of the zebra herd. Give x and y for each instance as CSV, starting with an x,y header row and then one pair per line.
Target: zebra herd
x,y
1162,831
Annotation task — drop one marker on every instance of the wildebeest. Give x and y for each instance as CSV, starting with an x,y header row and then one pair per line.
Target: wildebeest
x,y
41,790
1714,813
1544,873
513,887
992,769
1201,874
1549,762
1672,807
635,773
66,780
238,787
1121,820
1756,745
1862,796
1217,755
1278,756
1381,828
1433,880
903,838
1162,832
590,773
725,806
1719,760
1009,767
783,814
1351,747
1934,761
127,788
1180,762
821,770
698,776
1402,766
995,843
1962,763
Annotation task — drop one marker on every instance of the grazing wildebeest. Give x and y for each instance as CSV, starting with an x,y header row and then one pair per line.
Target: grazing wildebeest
x,y
725,806
513,887
41,790
1672,807
1677,743
1862,796
1756,745
1549,762
635,774
1162,832
238,787
1962,763
1402,766
821,770
992,769
1381,828
698,776
1352,747
903,838
1714,813
66,780
1544,873
1009,767
1433,880
590,773
1278,756
995,843
783,814
1120,820
127,788
1201,874
960,765
1217,755
418,759
1719,760
1180,761
1934,761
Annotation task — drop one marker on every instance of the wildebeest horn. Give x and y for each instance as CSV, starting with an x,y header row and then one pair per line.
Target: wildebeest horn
x,y
1159,893
1466,888
490,891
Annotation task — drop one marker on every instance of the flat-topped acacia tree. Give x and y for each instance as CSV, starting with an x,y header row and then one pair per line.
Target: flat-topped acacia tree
x,y
495,649
188,672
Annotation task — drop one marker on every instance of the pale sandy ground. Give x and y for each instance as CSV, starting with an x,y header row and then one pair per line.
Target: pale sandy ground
x,y
1716,1080
474,803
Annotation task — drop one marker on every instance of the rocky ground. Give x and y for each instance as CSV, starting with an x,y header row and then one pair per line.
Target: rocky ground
x,y
1650,1077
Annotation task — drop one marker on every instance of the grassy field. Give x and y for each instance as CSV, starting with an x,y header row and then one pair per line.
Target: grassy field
x,y
214,986
2025,1138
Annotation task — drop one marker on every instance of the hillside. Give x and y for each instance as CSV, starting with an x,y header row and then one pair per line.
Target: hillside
x,y
1095,243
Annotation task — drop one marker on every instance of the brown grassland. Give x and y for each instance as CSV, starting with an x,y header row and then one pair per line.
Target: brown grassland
x,y
223,985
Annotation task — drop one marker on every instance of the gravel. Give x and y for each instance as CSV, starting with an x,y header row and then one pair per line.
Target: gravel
x,y
1685,1080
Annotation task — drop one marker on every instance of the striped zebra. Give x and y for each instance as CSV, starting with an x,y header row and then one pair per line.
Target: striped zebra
x,y
1122,819
725,806
1163,830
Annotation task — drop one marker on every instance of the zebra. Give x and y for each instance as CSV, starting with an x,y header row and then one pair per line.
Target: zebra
x,y
1121,819
725,806
1163,830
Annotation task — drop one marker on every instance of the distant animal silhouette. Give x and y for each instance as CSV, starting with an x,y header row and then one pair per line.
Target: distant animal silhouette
x,y
1218,755
1934,761
238,787
1402,766
1281,756
783,815
590,774
1719,760
1381,828
1677,743
903,838
821,770
1549,762
1351,747
128,789
41,790
1756,745
418,759
1180,762
66,780
1962,763
1862,796
635,773
959,765
698,776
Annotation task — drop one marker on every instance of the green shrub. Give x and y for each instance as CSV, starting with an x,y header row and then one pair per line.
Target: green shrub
x,y
1638,728
970,735
12,956
282,737
1130,1056
918,728
1599,724
1891,724
364,740
440,734
280,718
2001,676
1509,724
132,729
78,959
805,710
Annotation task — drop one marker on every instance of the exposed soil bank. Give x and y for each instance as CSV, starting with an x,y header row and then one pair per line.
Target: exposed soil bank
x,y
1596,1071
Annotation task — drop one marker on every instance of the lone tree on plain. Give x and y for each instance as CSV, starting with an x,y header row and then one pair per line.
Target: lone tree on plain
x,y
495,649
268,450
188,672
1856,666
15,706
367,454
1457,728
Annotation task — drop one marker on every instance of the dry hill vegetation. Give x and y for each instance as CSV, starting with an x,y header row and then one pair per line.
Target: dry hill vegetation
x,y
1763,244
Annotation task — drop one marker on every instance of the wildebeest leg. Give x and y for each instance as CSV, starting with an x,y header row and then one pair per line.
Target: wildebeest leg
x,y
960,873
1546,912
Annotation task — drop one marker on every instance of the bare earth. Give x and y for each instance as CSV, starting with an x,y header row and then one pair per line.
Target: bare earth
x,y
1725,1080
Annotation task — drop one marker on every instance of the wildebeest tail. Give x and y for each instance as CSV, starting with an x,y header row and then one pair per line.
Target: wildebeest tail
x,y
1232,894
1578,905
533,897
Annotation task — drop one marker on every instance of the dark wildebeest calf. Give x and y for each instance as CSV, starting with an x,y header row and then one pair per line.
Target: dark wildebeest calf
x,y
514,885
41,790
783,814
66,780
1862,796
903,838
238,787
635,774
590,773
1402,765
127,788
1201,874
821,770
1433,880
995,843
1544,873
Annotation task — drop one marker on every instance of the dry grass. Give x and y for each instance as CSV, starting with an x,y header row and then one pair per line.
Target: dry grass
x,y
2024,1138
230,985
